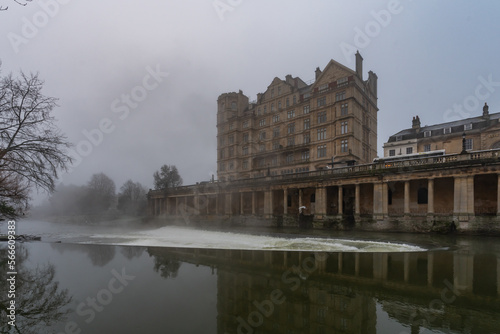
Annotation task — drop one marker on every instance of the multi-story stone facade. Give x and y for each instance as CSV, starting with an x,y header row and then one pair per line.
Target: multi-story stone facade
x,y
470,134
298,127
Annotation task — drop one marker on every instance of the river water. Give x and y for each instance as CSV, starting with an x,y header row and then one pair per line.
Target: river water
x,y
134,278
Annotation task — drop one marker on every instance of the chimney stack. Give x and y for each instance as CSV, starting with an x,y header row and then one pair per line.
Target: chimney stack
x,y
415,124
359,65
318,73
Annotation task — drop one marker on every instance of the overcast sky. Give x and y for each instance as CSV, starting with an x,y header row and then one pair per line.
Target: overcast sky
x,y
173,58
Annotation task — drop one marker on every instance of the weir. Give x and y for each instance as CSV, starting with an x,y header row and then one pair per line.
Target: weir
x,y
442,194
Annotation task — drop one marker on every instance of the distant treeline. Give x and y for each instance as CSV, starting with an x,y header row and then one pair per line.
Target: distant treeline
x,y
97,198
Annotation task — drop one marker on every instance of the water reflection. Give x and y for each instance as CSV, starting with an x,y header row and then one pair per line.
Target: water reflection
x,y
182,290
39,301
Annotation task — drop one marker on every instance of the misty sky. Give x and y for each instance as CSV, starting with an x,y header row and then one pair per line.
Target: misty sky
x,y
148,73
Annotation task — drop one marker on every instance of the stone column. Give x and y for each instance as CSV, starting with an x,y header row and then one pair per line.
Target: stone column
x,y
268,204
197,204
285,201
341,201
498,202
430,196
300,197
357,201
253,203
407,198
216,203
241,204
470,195
176,206
229,204
463,204
320,202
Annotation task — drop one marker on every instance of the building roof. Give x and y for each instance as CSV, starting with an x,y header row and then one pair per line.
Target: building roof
x,y
479,122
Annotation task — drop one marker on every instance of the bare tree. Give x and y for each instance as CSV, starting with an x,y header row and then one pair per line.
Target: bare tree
x,y
101,194
167,177
16,1
32,148
132,198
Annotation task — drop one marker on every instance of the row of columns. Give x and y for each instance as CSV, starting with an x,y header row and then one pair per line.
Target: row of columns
x,y
463,200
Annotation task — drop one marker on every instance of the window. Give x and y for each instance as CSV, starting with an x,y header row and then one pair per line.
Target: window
x,y
289,158
276,145
305,155
222,167
399,138
233,105
222,141
274,161
291,141
392,153
262,162
322,134
245,137
245,124
427,133
231,165
272,107
276,118
231,139
307,123
321,151
291,128
322,117
342,81
265,109
231,126
467,127
307,138
244,150
323,88
231,152
291,114
307,95
262,135
343,127
343,146
287,102
307,109
446,131
276,132
322,101
468,144
427,148
409,150
279,105
262,122
279,90
272,92
344,109
222,154
262,148
294,100
245,164
340,96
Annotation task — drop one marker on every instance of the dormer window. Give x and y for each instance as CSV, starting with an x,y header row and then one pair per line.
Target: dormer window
x,y
467,126
399,138
446,131
427,133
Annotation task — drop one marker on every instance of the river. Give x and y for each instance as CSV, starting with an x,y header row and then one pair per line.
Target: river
x,y
135,278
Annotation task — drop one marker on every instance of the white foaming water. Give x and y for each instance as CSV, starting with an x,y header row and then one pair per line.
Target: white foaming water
x,y
171,236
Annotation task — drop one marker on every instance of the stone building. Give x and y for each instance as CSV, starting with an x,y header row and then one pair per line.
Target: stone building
x,y
476,133
298,127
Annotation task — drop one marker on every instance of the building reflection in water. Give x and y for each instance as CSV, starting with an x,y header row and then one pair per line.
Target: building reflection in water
x,y
304,292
